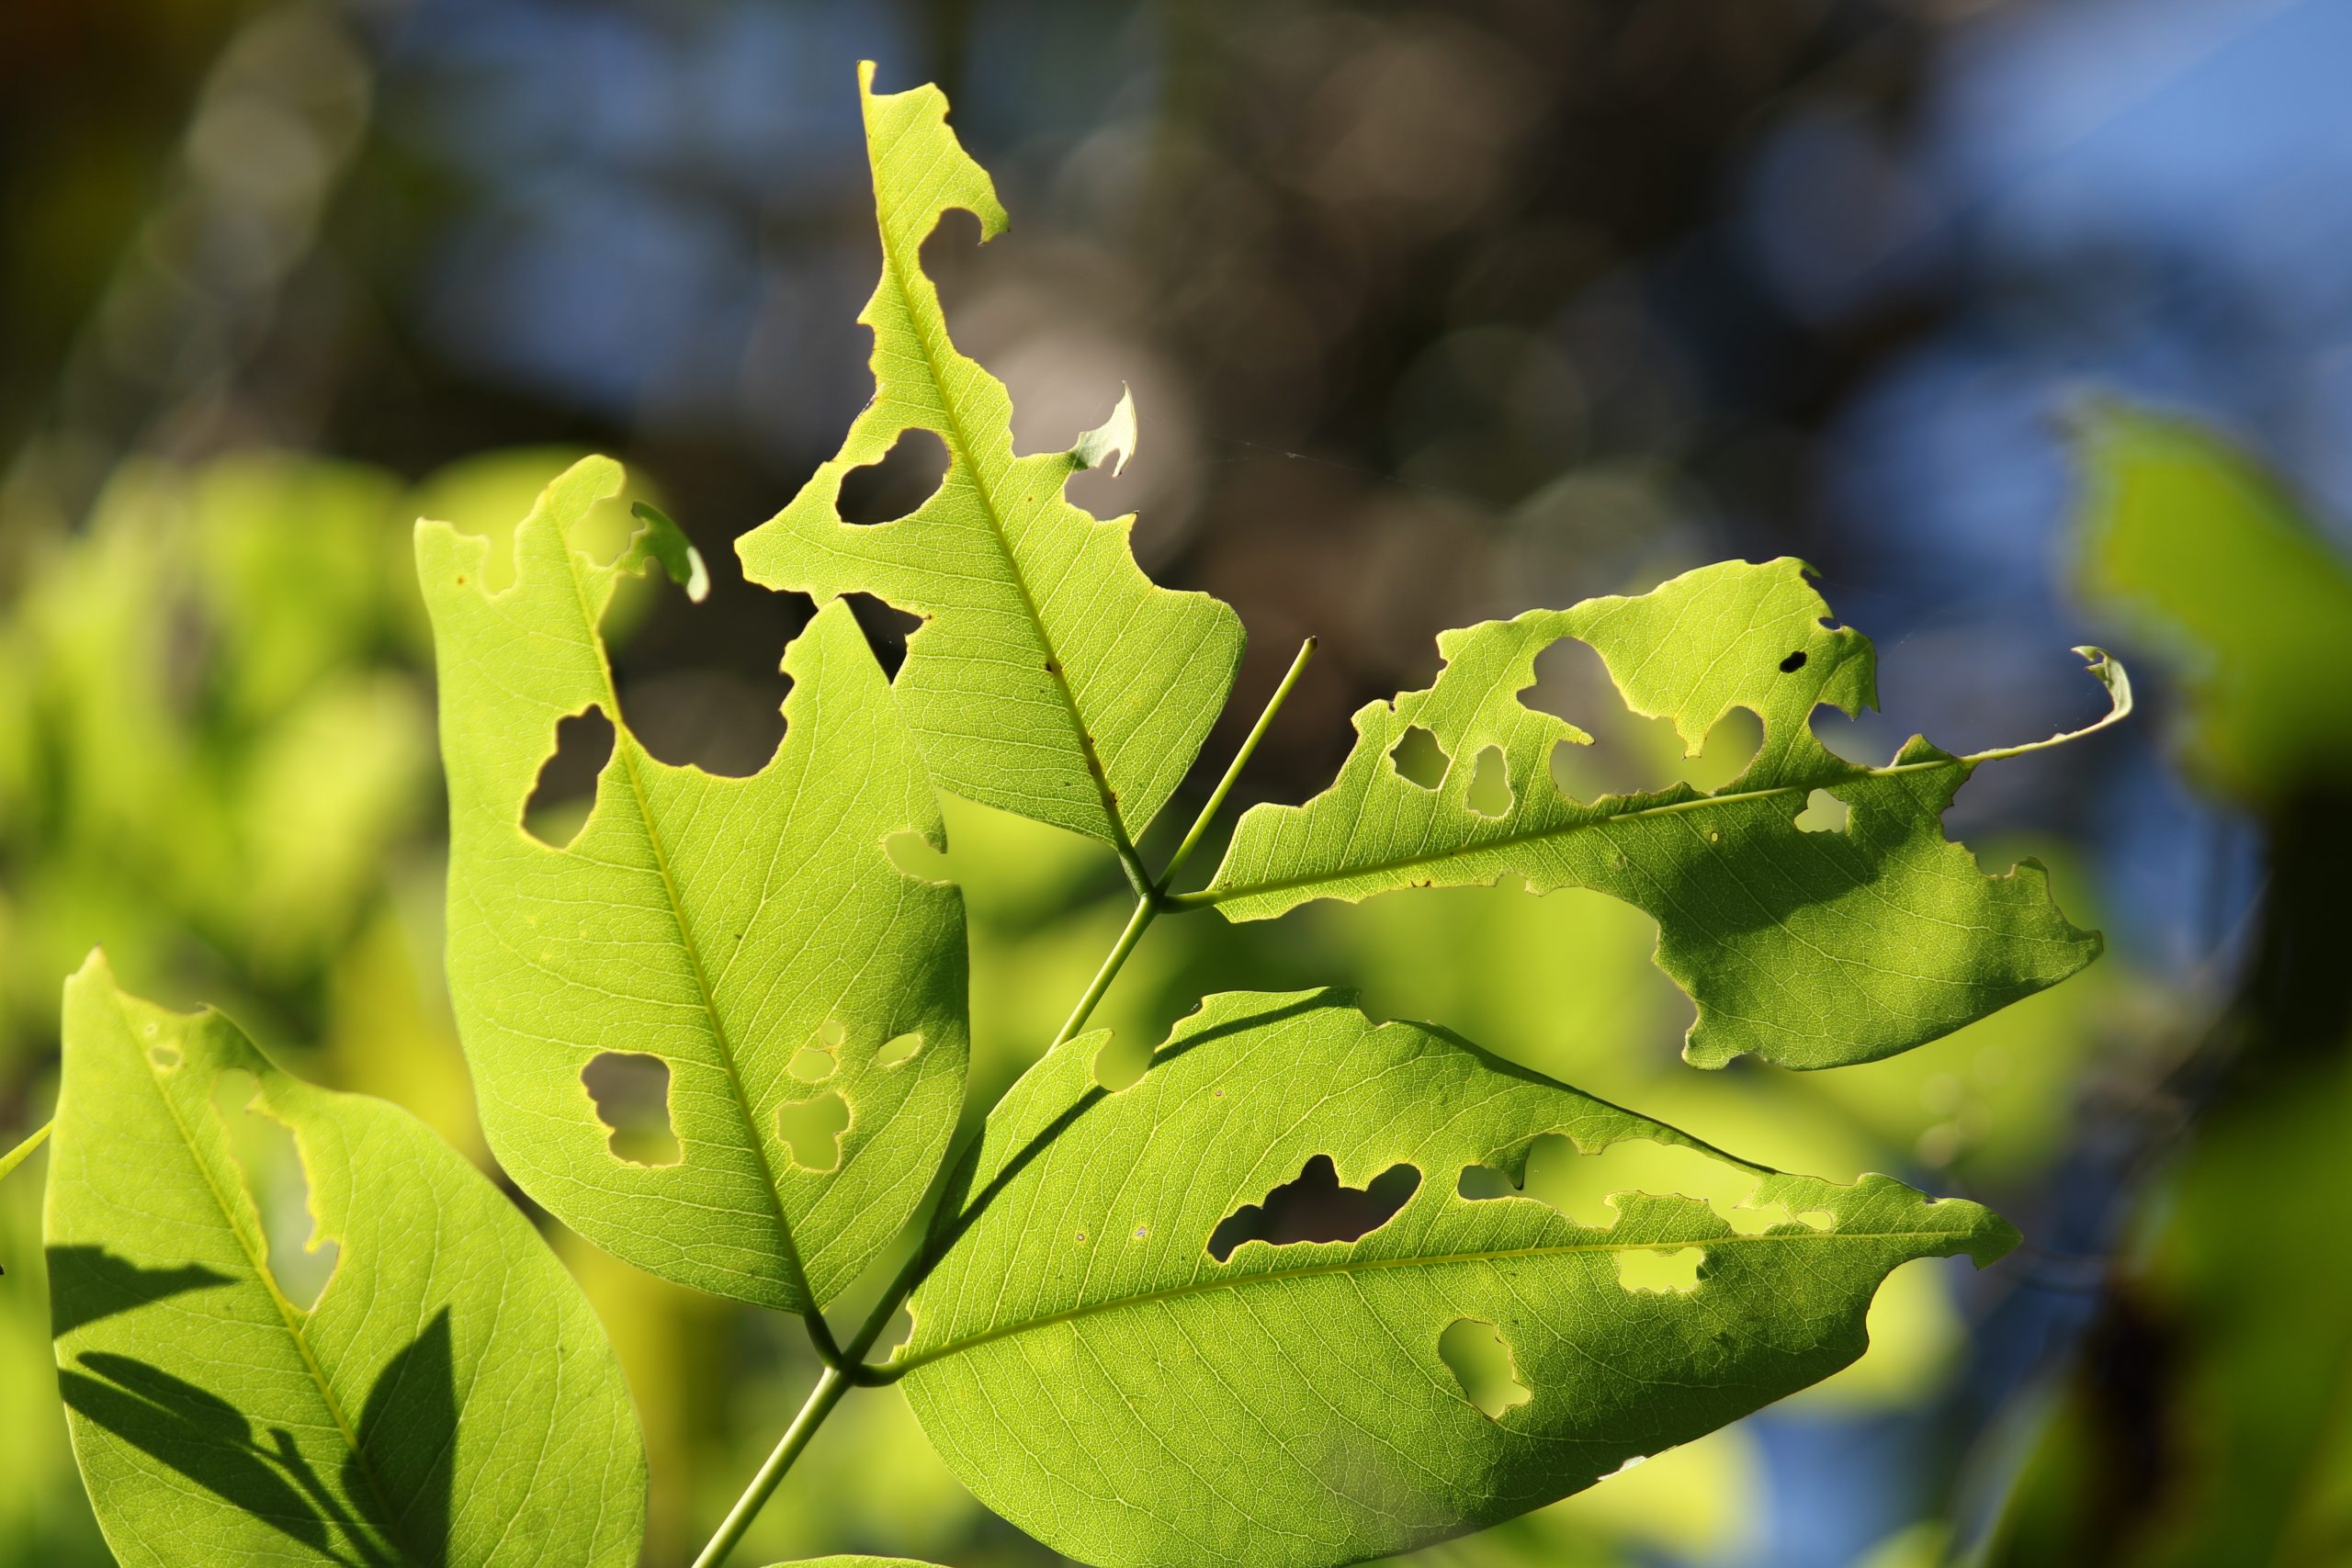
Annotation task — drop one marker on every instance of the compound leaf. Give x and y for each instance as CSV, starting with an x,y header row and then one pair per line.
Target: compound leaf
x,y
1809,949
1125,1351
787,996
1050,677
446,1401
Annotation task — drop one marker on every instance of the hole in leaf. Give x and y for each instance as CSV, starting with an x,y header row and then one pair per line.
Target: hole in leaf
x,y
898,1049
1490,784
1484,1183
906,477
559,804
1629,754
831,1035
1823,813
950,252
915,854
166,1057
703,685
887,629
1793,662
1123,1061
1660,1271
631,1091
270,1157
1418,758
1579,1185
810,1064
1479,1357
1315,1207
813,1129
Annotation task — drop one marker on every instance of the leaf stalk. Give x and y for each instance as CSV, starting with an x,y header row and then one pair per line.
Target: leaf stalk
x,y
845,1364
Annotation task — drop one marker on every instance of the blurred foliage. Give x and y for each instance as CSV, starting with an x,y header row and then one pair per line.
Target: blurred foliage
x,y
2211,1419
2209,1416
2201,550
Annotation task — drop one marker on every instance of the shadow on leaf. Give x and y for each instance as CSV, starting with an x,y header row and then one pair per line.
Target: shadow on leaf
x,y
400,1480
89,1284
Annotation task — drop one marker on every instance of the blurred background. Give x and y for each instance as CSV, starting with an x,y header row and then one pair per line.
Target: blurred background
x,y
1432,312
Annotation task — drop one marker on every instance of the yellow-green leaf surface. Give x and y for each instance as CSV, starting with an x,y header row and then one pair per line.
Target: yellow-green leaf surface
x,y
1050,677
855,1563
752,934
448,1400
1811,949
2196,546
1086,1362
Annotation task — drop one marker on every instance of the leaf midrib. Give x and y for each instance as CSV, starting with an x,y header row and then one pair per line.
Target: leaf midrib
x,y
291,1317
1353,1266
1057,670
1213,895
624,747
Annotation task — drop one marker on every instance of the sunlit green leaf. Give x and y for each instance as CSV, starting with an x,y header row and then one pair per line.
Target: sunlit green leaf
x,y
1125,1352
445,1399
1050,677
2200,548
787,1003
1808,948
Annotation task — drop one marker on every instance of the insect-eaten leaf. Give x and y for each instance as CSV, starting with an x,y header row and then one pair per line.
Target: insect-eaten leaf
x,y
447,1400
1809,936
700,934
1050,677
1302,1401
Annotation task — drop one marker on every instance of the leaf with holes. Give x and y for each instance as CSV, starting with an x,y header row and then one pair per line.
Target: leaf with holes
x,y
445,1399
1811,949
1050,677
719,1032
1115,1332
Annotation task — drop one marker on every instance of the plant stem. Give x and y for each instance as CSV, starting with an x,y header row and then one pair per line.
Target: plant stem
x,y
822,1400
1233,772
23,1151
845,1366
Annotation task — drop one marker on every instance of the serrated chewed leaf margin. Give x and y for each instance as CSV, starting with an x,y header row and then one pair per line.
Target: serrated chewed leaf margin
x,y
1050,677
449,1401
1085,1365
726,926
1807,949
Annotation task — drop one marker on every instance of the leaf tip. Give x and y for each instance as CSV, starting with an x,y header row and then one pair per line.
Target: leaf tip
x,y
1113,441
1993,1239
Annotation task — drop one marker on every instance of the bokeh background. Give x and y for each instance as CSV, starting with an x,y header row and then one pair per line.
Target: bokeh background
x,y
1432,311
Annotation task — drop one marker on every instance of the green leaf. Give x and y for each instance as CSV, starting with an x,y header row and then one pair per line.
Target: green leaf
x,y
855,1561
447,1399
2197,547
750,934
1050,677
1084,1361
1811,949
